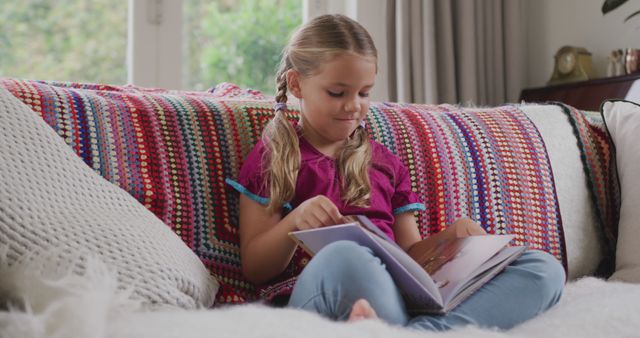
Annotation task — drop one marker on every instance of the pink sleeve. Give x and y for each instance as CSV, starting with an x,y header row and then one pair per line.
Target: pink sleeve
x,y
404,198
251,180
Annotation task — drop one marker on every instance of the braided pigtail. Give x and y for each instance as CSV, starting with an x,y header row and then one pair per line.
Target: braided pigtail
x,y
283,149
353,164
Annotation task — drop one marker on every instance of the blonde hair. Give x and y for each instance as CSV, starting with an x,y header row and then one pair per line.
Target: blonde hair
x,y
313,44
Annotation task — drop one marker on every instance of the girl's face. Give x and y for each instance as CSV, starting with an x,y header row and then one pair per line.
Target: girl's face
x,y
335,99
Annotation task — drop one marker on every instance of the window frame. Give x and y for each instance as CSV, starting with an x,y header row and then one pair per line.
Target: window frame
x,y
154,44
155,39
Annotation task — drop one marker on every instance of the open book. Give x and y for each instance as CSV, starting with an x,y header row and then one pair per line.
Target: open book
x,y
435,278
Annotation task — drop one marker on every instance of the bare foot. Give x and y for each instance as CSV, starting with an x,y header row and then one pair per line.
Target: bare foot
x,y
361,309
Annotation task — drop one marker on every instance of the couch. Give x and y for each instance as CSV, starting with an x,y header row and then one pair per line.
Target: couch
x,y
115,219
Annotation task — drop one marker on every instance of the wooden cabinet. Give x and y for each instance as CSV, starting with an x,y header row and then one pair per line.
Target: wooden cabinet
x,y
587,95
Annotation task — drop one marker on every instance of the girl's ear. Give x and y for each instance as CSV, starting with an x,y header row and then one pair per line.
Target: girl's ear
x,y
293,83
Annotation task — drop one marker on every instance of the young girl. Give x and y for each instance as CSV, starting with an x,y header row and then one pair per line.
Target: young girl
x,y
316,172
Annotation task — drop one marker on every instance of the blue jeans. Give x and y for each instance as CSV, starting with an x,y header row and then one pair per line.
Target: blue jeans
x,y
345,271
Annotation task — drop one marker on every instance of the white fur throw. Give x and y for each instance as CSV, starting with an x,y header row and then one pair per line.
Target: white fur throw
x,y
51,199
91,305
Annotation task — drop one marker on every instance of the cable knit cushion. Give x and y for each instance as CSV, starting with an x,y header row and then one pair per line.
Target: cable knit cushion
x,y
623,124
51,200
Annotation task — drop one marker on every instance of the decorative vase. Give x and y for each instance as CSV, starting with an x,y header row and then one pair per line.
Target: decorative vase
x,y
631,60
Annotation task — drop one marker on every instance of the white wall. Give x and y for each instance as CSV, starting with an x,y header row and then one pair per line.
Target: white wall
x,y
555,23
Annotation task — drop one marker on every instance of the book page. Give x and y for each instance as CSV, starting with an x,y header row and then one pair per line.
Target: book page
x,y
403,258
410,266
483,274
465,256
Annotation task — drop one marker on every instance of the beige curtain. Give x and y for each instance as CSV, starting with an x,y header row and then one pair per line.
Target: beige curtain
x,y
455,51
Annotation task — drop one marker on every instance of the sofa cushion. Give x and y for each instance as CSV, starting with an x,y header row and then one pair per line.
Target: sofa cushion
x,y
623,123
52,201
173,151
577,163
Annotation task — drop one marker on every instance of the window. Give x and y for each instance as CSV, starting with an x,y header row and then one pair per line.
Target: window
x,y
64,40
237,41
176,44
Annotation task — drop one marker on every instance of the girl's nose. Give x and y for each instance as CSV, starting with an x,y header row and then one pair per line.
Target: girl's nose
x,y
352,106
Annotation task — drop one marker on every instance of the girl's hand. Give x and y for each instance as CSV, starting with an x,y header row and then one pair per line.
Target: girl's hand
x,y
316,212
464,227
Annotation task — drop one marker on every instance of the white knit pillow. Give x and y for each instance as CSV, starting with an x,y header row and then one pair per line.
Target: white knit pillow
x,y
578,217
50,199
623,123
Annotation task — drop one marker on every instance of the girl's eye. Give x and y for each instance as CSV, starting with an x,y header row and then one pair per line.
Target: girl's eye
x,y
364,94
334,94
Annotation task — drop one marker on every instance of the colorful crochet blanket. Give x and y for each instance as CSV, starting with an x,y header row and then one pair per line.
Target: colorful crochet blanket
x,y
173,150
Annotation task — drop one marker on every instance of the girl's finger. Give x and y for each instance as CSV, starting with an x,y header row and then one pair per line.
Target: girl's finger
x,y
319,218
332,211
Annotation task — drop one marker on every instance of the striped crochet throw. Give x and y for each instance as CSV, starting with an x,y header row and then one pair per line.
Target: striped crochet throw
x,y
173,150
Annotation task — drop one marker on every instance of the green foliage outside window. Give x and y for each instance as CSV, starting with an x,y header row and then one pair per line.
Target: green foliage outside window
x,y
64,40
237,41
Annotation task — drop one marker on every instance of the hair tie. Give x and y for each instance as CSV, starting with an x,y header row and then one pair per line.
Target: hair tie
x,y
280,106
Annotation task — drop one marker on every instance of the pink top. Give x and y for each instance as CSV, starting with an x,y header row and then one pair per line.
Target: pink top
x,y
391,192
